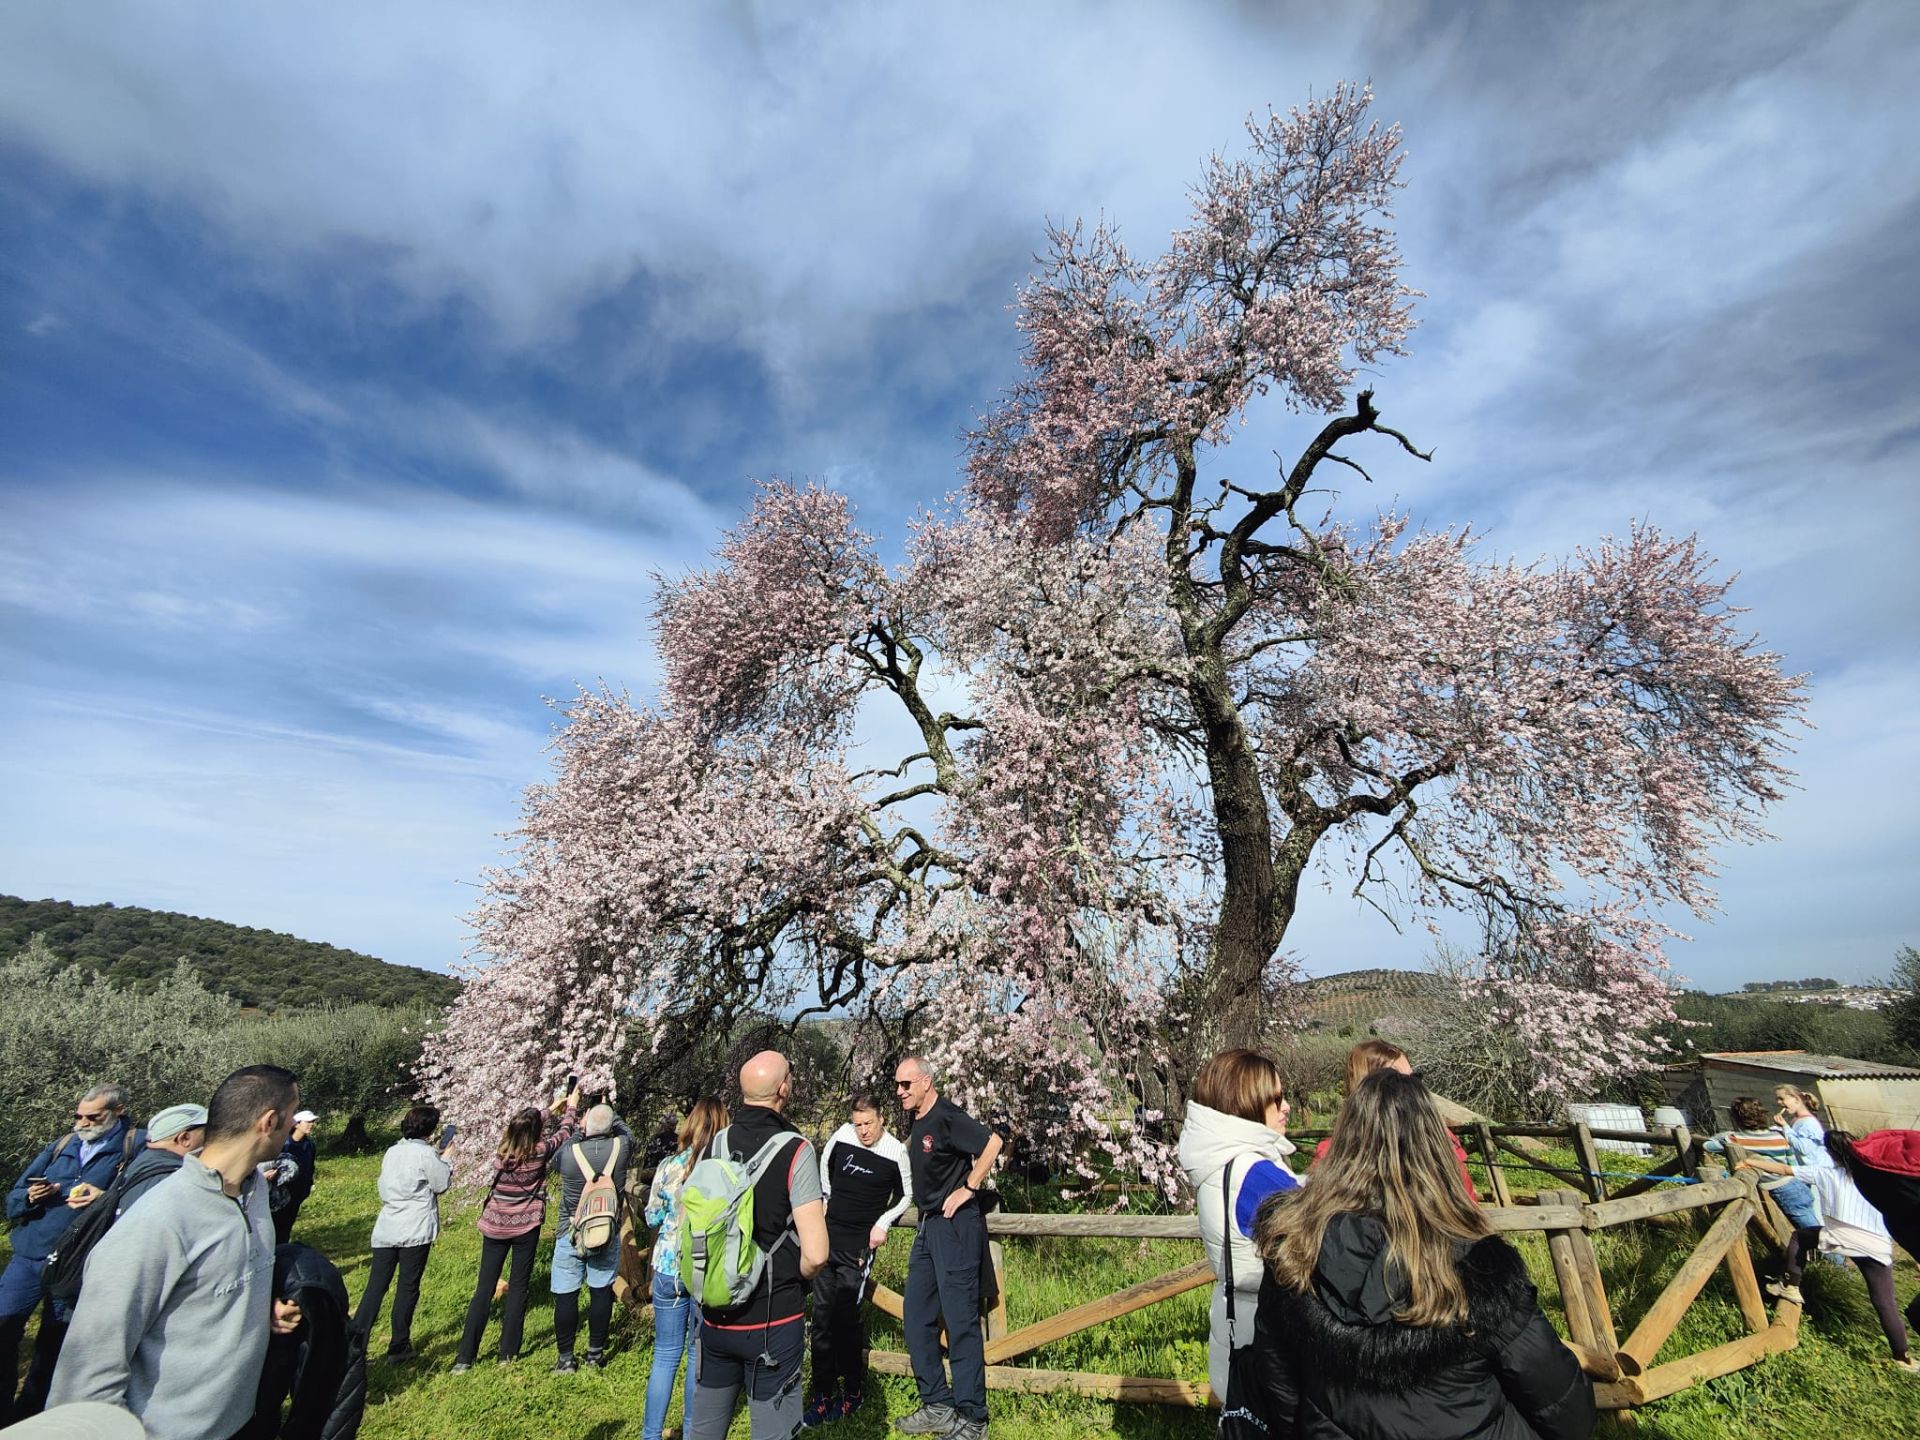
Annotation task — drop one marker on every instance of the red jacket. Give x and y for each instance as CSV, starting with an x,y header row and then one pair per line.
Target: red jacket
x,y
1895,1150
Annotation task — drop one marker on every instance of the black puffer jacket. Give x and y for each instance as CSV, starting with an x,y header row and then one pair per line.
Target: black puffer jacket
x,y
313,1385
1336,1365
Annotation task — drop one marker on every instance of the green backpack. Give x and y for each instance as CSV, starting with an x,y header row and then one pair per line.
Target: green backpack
x,y
720,1264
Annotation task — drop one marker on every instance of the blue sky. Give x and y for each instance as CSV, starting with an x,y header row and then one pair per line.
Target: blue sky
x,y
359,364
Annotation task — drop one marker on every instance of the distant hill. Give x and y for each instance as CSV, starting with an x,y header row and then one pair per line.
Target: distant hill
x,y
261,968
1358,998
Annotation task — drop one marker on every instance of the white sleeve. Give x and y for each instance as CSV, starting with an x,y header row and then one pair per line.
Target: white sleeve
x,y
898,1153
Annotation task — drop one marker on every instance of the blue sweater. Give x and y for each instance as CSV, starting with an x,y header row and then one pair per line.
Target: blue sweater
x,y
37,1228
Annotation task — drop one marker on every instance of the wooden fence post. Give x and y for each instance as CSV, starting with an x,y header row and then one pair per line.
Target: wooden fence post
x,y
1489,1152
1583,1146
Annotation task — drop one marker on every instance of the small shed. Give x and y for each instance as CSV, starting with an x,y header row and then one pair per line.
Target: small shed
x,y
1856,1095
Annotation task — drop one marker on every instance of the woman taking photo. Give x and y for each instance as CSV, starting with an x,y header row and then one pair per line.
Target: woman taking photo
x,y
1234,1148
675,1325
413,1176
510,1224
1389,1308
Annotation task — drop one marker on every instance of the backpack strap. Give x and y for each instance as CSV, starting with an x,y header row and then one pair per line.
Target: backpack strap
x,y
1226,1248
587,1173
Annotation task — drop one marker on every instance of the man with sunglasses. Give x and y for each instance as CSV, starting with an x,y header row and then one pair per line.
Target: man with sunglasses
x,y
951,1154
63,1180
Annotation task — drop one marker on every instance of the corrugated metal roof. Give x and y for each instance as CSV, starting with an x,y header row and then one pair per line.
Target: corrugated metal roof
x,y
1826,1067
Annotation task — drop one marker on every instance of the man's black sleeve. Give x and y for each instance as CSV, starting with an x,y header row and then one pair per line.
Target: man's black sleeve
x,y
966,1135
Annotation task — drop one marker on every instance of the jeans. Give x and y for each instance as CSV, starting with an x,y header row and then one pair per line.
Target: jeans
x,y
762,1359
19,1295
573,1268
411,1261
1796,1203
676,1331
840,1325
493,1255
943,1285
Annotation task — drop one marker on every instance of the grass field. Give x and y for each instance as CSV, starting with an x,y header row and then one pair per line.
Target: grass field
x,y
1835,1386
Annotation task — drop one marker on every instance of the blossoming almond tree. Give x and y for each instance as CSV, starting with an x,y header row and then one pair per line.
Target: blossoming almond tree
x,y
1143,699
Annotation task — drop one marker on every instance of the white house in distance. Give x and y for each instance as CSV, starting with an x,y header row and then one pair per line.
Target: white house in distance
x,y
1856,1095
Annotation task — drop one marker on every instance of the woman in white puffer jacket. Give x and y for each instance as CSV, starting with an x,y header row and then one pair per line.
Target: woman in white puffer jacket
x,y
1237,1116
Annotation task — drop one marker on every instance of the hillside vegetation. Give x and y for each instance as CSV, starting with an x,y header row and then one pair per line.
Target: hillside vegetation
x,y
262,969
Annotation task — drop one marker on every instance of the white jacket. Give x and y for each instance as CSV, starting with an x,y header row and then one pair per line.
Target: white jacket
x,y
412,1177
1208,1140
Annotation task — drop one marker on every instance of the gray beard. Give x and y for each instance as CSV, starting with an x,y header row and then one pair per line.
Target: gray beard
x,y
90,1133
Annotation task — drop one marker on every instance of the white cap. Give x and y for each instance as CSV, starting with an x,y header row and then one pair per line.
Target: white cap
x,y
301,1117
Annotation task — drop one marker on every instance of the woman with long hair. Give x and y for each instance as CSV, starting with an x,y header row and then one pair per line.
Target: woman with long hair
x,y
1851,1227
1389,1308
511,1221
675,1321
1373,1054
1234,1149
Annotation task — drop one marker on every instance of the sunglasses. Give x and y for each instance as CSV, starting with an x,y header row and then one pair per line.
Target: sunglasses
x,y
91,1117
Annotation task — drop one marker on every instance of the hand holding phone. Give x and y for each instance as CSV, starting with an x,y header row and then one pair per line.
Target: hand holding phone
x,y
447,1132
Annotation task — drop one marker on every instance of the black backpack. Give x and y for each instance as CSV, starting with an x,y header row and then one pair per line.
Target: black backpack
x,y
66,1263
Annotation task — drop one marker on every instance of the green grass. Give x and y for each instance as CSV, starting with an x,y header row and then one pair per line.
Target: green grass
x,y
1835,1386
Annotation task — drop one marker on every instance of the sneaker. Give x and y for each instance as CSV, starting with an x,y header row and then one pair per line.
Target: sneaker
x,y
1908,1366
820,1409
849,1404
460,1367
1780,1290
565,1365
928,1420
968,1430
596,1359
402,1357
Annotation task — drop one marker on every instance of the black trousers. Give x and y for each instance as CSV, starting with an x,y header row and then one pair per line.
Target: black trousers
x,y
943,1286
283,1219
762,1360
513,1314
566,1319
411,1261
840,1324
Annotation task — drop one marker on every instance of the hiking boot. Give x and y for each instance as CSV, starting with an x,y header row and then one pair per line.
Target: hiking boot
x,y
820,1409
565,1365
596,1359
1781,1290
969,1430
848,1405
402,1357
928,1420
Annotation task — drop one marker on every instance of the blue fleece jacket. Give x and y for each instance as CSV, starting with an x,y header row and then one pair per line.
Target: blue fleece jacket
x,y
37,1228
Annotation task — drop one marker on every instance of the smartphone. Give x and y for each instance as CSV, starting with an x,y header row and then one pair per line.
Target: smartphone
x,y
573,1082
447,1132
38,1180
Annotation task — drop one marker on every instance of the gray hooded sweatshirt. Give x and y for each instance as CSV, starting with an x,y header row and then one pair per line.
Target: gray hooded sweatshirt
x,y
176,1309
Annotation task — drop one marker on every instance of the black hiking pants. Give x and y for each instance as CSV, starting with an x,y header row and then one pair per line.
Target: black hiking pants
x,y
840,1325
943,1287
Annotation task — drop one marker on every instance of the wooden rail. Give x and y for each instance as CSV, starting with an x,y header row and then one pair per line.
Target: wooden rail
x,y
1627,1373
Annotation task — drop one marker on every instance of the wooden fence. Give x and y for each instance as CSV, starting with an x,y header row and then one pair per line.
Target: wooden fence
x,y
1627,1372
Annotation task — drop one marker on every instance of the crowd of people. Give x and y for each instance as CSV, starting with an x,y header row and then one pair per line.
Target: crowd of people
x,y
1368,1295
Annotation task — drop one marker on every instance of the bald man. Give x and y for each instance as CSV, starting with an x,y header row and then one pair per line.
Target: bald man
x,y
757,1345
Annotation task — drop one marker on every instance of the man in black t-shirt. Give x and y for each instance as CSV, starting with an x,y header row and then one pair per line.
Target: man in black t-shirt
x,y
951,1155
758,1345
